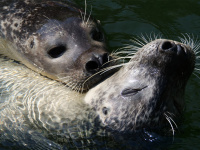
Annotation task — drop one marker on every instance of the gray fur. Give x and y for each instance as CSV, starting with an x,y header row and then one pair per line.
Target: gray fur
x,y
55,39
148,90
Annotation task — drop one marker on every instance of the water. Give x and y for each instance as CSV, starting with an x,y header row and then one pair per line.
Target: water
x,y
125,19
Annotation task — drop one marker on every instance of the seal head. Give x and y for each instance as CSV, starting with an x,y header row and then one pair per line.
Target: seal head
x,y
148,91
57,40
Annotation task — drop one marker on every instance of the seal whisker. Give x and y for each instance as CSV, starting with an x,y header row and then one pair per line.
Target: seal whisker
x,y
102,71
170,120
63,78
186,39
171,114
77,87
193,42
144,38
123,52
89,16
196,74
138,42
81,88
197,68
131,49
150,36
171,126
118,59
111,68
198,57
85,11
147,38
81,15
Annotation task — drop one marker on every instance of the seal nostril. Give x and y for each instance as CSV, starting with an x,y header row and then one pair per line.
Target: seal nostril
x,y
105,110
96,62
181,50
105,58
167,45
91,66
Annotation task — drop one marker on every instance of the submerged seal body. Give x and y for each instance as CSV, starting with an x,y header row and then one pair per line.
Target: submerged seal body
x,y
38,113
56,39
147,92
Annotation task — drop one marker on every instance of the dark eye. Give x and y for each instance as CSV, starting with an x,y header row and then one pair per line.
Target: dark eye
x,y
57,51
97,35
130,91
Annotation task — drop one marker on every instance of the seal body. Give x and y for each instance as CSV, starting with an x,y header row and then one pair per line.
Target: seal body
x,y
57,40
148,91
40,113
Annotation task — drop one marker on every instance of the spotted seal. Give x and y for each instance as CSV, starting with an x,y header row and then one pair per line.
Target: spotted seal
x,y
148,91
57,40
38,113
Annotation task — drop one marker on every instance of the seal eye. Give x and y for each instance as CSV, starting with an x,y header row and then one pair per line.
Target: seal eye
x,y
97,35
57,51
130,92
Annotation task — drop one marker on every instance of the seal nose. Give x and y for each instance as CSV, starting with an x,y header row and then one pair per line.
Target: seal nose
x,y
96,62
171,46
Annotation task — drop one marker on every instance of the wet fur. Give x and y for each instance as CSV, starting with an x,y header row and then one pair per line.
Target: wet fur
x,y
40,113
138,113
29,34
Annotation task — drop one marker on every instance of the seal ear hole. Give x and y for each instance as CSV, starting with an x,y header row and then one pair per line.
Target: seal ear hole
x,y
32,44
105,110
57,51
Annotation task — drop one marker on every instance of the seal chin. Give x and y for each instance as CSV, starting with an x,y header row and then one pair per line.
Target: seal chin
x,y
148,91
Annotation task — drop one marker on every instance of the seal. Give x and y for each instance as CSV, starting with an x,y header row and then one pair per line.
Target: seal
x,y
39,113
148,91
57,40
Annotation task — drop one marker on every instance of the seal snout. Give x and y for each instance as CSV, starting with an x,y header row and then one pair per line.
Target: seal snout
x,y
96,62
170,46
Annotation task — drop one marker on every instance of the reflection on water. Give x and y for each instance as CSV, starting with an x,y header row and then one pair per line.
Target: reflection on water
x,y
124,19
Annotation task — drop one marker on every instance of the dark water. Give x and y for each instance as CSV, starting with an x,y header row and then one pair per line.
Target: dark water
x,y
125,19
